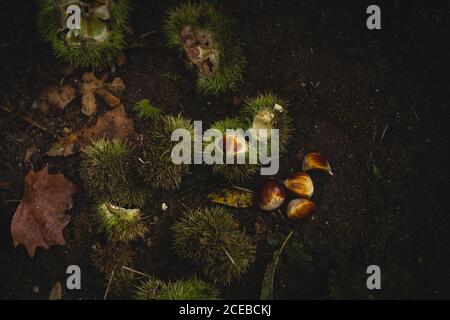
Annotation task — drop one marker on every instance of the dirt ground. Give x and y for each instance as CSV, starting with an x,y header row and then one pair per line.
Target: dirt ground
x,y
376,103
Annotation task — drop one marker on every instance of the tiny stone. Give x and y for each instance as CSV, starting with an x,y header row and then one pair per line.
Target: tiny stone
x,y
35,289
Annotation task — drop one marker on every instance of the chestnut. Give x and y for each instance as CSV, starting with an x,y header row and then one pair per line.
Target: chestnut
x,y
300,208
316,161
301,184
271,195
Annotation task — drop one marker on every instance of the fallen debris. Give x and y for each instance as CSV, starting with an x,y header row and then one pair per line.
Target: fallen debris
x,y
113,124
56,97
107,91
41,216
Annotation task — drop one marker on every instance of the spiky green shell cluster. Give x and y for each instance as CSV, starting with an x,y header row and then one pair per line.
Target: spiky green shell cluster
x,y
92,54
120,224
83,233
206,17
108,171
211,238
122,283
191,289
281,121
156,165
111,257
233,172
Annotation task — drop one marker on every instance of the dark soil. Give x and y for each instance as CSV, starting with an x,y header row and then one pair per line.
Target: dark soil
x,y
376,103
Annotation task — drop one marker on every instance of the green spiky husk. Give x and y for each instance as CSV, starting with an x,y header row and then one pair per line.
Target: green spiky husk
x,y
282,121
83,232
205,16
122,283
120,224
111,257
109,175
191,289
156,166
94,55
211,238
234,172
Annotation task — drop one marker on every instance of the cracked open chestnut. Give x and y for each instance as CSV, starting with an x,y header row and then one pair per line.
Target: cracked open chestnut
x,y
300,208
301,184
316,161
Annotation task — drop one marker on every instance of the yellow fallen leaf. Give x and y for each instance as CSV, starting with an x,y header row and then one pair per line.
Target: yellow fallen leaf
x,y
237,198
56,293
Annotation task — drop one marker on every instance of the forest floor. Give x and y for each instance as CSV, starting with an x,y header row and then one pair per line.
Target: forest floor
x,y
374,102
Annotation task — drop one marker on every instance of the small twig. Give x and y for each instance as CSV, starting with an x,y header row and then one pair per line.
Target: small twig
x,y
109,283
414,112
185,207
384,132
12,200
146,34
243,189
30,121
135,271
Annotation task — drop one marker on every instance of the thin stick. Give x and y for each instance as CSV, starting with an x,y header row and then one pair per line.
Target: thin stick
x,y
109,283
146,34
135,271
30,121
243,189
384,132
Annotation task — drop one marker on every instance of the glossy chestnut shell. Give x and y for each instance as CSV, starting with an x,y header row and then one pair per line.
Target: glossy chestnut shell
x,y
301,184
300,208
271,195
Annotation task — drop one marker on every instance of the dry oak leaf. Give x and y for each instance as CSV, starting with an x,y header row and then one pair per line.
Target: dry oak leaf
x,y
41,216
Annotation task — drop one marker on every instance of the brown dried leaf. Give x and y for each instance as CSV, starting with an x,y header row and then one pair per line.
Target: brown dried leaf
x,y
113,124
117,86
29,153
110,99
41,216
64,147
88,104
87,90
56,293
57,97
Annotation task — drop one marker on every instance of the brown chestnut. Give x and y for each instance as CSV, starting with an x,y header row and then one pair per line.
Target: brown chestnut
x,y
271,195
300,208
315,161
301,184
